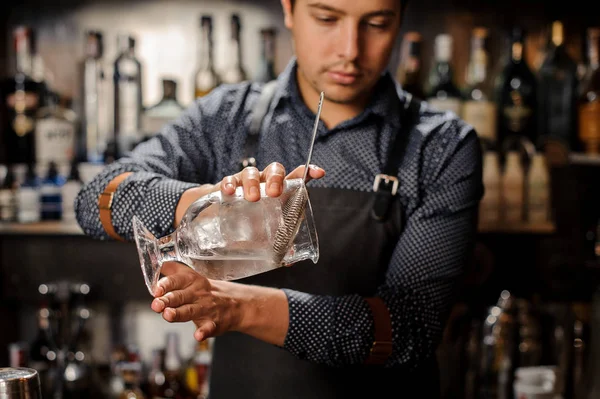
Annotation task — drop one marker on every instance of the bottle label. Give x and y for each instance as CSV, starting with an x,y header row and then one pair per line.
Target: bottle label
x,y
517,117
482,116
589,123
29,205
22,103
8,205
55,141
447,104
128,108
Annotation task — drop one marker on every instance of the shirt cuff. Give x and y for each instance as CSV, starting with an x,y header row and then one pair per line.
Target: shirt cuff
x,y
152,198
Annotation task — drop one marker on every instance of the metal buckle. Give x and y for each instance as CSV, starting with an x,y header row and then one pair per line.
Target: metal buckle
x,y
387,179
251,161
108,205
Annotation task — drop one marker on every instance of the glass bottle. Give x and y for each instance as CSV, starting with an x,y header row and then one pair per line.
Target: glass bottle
x,y
266,68
127,95
94,113
516,95
512,189
29,197
443,93
538,190
409,70
55,132
558,94
156,375
70,190
205,79
8,196
174,386
131,378
51,194
489,206
166,110
479,108
21,97
234,71
589,99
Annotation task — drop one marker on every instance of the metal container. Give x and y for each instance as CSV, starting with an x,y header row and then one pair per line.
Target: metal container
x,y
19,383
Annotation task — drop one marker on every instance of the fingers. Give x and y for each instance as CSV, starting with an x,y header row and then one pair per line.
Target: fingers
x,y
172,299
251,183
273,175
177,276
314,172
206,329
228,184
187,312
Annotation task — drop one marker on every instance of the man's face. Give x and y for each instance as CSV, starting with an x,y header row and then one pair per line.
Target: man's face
x,y
342,46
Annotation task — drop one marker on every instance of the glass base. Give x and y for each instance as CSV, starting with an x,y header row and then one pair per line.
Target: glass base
x,y
147,246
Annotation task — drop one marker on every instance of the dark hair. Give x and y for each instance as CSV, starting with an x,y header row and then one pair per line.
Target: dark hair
x,y
403,4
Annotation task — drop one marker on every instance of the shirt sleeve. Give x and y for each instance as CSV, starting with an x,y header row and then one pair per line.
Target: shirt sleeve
x,y
423,274
171,162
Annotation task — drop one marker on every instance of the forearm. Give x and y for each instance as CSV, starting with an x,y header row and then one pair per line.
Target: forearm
x,y
260,312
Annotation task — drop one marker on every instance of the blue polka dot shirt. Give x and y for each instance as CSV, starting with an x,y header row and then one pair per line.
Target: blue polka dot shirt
x,y
441,176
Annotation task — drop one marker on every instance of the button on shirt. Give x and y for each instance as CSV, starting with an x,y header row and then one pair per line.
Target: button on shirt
x,y
440,188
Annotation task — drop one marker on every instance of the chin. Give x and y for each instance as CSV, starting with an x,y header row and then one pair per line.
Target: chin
x,y
341,94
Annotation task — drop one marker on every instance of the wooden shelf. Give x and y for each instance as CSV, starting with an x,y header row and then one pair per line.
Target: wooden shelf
x,y
41,228
521,228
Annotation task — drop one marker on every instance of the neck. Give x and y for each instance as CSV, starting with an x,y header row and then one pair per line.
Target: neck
x,y
333,113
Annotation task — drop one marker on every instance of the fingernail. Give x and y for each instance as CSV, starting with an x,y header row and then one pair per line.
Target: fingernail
x,y
170,312
159,291
199,335
274,186
229,186
314,167
158,305
254,191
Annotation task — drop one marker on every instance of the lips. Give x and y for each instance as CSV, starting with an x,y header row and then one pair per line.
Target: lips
x,y
343,78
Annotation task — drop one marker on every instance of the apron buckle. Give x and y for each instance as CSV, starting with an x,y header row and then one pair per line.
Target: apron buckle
x,y
387,179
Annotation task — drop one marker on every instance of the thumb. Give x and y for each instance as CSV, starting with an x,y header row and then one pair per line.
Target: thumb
x,y
206,329
314,172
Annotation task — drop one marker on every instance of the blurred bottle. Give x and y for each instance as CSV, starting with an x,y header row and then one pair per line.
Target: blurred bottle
x,y
130,371
266,68
198,370
39,348
167,109
589,99
538,190
479,109
21,96
29,197
205,79
8,196
513,189
443,93
409,70
234,71
94,116
490,205
51,194
156,376
55,132
174,386
516,95
127,96
558,95
70,189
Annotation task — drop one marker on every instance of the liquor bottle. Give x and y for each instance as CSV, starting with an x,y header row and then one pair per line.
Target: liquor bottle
x,y
558,95
479,108
131,377
156,376
443,93
409,70
20,101
538,190
516,96
266,68
513,180
234,71
174,386
8,196
198,370
29,197
40,346
94,108
51,194
167,109
127,95
589,98
70,189
490,205
205,78
55,132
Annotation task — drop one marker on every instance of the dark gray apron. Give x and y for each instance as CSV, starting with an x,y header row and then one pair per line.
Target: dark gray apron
x,y
355,248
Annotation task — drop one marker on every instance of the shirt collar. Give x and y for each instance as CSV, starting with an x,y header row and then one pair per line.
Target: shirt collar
x,y
386,102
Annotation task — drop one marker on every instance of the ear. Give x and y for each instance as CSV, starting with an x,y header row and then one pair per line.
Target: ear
x,y
287,13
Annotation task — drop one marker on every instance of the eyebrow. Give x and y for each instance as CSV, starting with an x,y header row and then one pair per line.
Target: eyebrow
x,y
383,12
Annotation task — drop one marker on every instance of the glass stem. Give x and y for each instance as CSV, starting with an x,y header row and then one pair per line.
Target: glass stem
x,y
167,250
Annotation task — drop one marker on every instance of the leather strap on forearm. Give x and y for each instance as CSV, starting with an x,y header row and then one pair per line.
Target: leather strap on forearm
x,y
105,201
382,346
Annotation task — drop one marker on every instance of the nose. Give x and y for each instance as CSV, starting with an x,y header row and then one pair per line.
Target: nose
x,y
349,46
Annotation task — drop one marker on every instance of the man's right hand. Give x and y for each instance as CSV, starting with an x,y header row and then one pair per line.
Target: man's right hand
x,y
249,178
